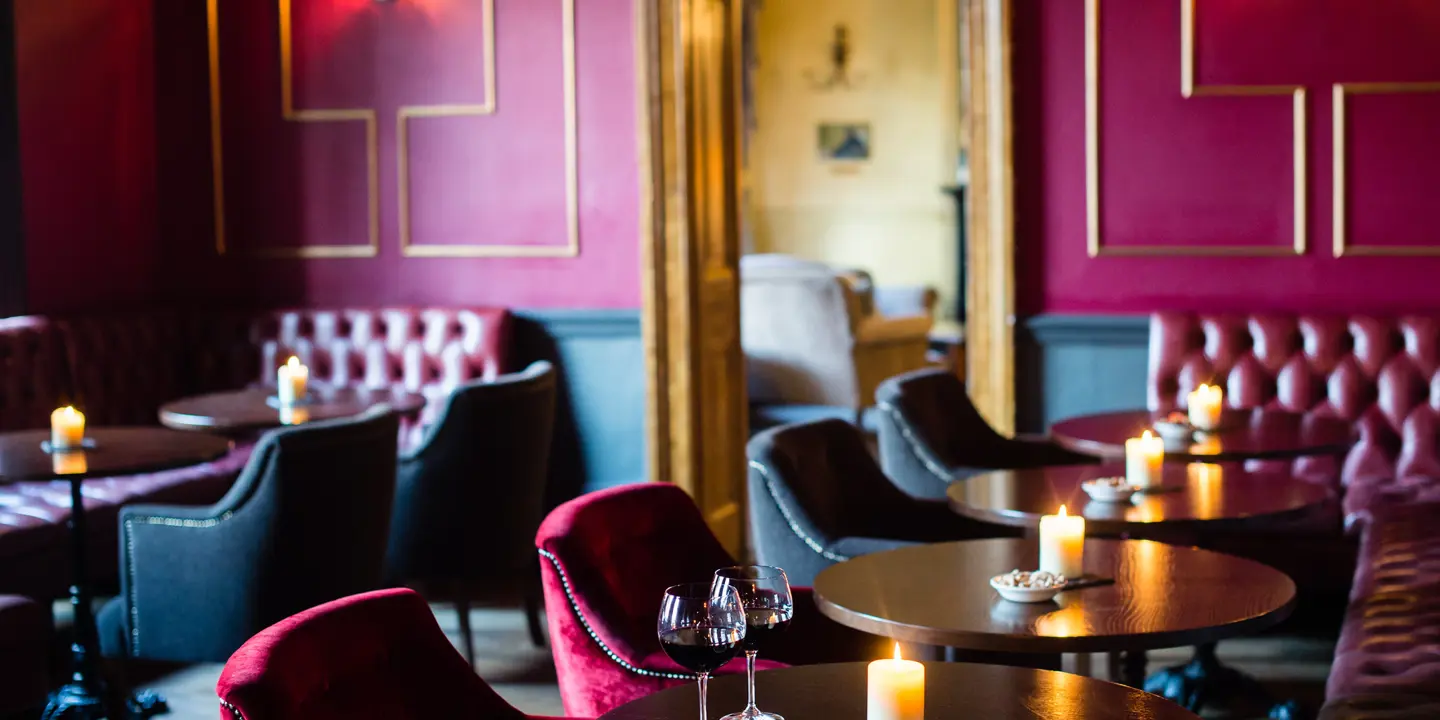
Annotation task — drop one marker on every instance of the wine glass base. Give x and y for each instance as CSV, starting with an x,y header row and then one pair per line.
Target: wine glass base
x,y
753,715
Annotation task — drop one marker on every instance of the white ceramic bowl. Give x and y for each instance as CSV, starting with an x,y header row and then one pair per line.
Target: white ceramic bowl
x,y
1174,432
1024,594
1104,492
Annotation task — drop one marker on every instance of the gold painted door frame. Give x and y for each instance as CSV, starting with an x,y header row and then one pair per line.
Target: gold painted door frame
x,y
697,407
990,298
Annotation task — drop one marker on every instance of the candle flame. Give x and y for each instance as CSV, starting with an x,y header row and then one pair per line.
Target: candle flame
x,y
293,362
1062,511
897,651
68,411
1146,435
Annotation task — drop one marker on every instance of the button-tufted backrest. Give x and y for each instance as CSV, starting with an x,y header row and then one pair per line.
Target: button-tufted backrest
x,y
34,376
1381,374
430,351
120,367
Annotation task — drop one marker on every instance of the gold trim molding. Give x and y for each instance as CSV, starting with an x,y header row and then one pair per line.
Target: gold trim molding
x,y
1188,89
290,113
572,182
1341,91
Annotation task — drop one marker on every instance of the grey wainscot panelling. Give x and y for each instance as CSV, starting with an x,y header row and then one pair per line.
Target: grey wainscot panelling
x,y
1076,364
600,424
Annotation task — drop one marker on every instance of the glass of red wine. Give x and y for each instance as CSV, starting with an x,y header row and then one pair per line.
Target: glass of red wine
x,y
765,593
701,628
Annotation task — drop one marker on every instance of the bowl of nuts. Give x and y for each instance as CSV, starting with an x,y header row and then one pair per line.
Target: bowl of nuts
x,y
1028,587
1109,489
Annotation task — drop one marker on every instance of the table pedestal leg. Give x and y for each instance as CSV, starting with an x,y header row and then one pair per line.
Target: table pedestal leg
x,y
85,697
1205,681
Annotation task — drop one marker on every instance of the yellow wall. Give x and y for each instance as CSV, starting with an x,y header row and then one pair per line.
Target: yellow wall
x,y
887,215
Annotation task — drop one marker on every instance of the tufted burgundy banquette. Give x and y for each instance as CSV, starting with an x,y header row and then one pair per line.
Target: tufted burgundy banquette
x,y
120,367
1382,375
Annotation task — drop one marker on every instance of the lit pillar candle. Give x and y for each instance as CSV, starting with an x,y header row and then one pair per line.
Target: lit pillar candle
x,y
291,381
1205,403
67,428
1144,460
896,689
1062,544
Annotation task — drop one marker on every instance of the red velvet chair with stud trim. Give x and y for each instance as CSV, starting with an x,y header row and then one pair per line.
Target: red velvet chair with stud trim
x,y
606,559
373,656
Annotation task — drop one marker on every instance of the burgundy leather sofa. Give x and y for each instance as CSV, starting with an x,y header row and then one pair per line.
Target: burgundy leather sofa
x,y
120,367
24,654
1382,375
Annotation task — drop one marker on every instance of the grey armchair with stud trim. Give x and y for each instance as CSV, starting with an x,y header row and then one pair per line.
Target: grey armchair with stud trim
x,y
470,496
817,498
304,524
932,435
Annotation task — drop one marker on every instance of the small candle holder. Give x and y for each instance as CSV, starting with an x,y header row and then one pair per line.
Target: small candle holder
x,y
85,444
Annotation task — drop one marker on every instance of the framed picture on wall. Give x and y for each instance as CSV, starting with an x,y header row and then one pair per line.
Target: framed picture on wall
x,y
843,142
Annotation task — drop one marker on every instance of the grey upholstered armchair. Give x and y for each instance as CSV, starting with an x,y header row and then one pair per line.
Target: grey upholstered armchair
x,y
932,435
810,337
469,497
817,498
304,524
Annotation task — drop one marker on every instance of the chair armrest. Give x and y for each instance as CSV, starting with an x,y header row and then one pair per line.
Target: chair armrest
x,y
814,638
876,330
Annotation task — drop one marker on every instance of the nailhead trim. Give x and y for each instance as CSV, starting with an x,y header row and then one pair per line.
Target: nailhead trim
x,y
790,519
130,563
575,606
234,711
920,451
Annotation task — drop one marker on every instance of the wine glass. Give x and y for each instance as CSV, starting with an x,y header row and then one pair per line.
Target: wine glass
x,y
765,593
701,627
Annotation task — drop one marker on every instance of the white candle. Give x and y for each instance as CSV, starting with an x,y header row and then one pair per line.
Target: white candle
x,y
1205,403
1062,544
291,381
67,428
1144,460
896,689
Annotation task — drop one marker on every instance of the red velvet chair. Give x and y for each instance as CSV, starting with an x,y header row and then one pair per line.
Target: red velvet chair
x,y
374,656
606,559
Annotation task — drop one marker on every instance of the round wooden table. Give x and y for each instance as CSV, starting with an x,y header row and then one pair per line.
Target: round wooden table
x,y
249,409
1243,435
109,451
1190,497
953,691
116,451
1162,596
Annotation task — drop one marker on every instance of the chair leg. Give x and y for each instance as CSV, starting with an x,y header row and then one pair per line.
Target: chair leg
x,y
532,616
467,641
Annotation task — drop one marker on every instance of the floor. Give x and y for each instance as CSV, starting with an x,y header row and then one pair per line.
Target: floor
x,y
525,675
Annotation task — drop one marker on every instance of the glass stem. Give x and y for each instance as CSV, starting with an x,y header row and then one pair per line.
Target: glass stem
x,y
704,688
750,708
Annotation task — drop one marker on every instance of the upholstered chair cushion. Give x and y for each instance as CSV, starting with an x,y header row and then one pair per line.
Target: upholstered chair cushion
x,y
817,498
606,559
1390,642
932,435
375,656
305,523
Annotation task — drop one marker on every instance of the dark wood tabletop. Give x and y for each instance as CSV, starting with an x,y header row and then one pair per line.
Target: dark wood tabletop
x,y
1163,596
249,410
953,691
1243,435
1195,494
116,451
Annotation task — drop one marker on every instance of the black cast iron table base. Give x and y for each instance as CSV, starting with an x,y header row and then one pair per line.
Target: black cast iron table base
x,y
1205,681
85,697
